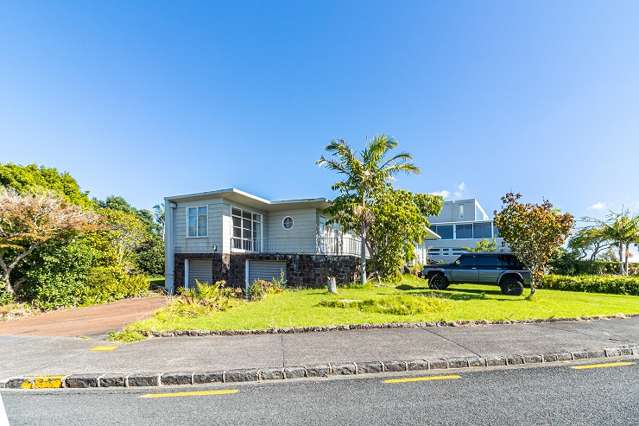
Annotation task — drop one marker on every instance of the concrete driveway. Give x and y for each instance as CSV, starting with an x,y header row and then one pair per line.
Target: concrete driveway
x,y
90,321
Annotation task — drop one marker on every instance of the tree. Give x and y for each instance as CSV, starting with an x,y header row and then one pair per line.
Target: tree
x,y
158,215
621,230
364,175
401,222
589,242
28,222
483,246
40,179
533,232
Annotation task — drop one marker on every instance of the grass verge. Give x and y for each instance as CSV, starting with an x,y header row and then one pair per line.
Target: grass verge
x,y
410,301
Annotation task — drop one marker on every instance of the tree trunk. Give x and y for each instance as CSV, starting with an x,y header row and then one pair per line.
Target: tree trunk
x,y
626,266
621,269
362,257
7,282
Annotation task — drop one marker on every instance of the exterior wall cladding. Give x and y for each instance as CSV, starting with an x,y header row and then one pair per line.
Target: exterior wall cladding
x,y
302,270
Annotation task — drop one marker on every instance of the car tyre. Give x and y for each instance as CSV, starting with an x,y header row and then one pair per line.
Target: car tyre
x,y
512,286
438,282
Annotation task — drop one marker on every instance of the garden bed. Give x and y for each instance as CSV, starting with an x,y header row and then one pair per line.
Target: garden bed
x,y
411,302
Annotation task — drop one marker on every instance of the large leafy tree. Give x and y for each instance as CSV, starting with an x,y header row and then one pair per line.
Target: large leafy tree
x,y
534,232
43,180
364,174
28,222
400,222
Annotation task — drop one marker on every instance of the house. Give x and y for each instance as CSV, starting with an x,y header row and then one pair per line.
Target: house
x,y
238,237
461,224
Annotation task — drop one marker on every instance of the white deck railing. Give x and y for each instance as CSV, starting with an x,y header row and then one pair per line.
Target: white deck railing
x,y
335,245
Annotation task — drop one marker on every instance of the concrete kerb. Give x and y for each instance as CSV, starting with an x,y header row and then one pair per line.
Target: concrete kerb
x,y
110,380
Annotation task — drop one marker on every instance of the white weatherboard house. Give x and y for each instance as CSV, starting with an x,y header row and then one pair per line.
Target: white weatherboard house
x,y
461,224
238,237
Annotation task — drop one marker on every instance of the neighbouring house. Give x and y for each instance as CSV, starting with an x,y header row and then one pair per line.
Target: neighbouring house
x,y
238,237
461,224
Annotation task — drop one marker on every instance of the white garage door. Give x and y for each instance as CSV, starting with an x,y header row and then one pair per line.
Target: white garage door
x,y
266,270
201,270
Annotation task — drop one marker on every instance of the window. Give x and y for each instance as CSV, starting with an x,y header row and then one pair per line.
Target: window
x,y
466,260
487,262
496,231
287,222
247,230
444,231
461,211
482,230
464,231
197,221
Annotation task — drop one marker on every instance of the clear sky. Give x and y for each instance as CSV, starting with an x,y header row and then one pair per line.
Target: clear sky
x,y
151,99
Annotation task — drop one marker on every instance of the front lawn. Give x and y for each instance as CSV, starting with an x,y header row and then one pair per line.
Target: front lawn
x,y
411,301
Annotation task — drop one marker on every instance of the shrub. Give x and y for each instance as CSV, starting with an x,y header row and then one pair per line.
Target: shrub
x,y
567,266
107,284
211,297
261,288
613,284
57,273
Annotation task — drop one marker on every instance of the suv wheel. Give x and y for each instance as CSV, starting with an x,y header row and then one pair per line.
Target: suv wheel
x,y
438,282
512,286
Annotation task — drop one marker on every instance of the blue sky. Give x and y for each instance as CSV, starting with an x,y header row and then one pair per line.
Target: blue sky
x,y
152,99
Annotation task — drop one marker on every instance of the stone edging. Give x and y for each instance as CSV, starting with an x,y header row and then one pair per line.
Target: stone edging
x,y
292,330
111,380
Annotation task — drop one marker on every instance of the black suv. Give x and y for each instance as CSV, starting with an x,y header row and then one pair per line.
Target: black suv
x,y
502,269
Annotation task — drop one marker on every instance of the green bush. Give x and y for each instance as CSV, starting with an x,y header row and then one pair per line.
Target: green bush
x,y
107,284
261,288
566,265
214,297
613,284
56,274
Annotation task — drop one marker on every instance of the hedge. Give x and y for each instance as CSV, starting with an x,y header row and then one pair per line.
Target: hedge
x,y
564,266
612,284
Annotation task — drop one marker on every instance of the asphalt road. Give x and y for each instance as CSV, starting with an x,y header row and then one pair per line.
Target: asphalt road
x,y
543,395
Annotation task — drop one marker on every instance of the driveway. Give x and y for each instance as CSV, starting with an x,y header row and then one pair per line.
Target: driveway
x,y
90,321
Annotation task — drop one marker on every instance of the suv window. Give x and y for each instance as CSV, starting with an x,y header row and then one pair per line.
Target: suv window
x,y
466,260
510,262
488,261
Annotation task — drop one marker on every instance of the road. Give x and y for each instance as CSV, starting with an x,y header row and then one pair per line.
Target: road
x,y
541,395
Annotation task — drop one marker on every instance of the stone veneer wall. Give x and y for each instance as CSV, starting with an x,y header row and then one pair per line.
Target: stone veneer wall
x,y
302,270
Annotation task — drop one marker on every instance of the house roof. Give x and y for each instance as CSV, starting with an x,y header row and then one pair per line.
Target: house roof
x,y
245,198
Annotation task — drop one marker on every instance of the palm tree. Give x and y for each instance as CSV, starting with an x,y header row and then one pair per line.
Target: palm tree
x,y
622,230
364,174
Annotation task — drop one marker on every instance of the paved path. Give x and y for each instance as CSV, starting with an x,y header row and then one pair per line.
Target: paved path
x,y
30,355
90,321
555,395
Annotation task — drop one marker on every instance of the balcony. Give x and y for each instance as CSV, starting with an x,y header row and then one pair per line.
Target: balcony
x,y
335,246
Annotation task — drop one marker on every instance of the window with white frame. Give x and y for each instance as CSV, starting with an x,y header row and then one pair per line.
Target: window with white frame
x,y
461,211
247,230
197,221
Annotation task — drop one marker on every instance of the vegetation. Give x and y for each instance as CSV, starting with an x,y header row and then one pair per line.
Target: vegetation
x,y
534,232
619,230
71,250
612,284
483,246
389,222
28,222
412,301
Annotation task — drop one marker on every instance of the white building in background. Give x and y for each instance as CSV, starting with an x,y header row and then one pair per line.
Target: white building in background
x,y
461,224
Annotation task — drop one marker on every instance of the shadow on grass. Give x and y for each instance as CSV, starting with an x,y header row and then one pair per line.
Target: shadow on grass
x,y
460,293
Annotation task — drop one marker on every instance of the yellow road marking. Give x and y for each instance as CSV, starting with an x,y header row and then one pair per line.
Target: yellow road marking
x,y
103,348
43,382
424,378
194,393
604,365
